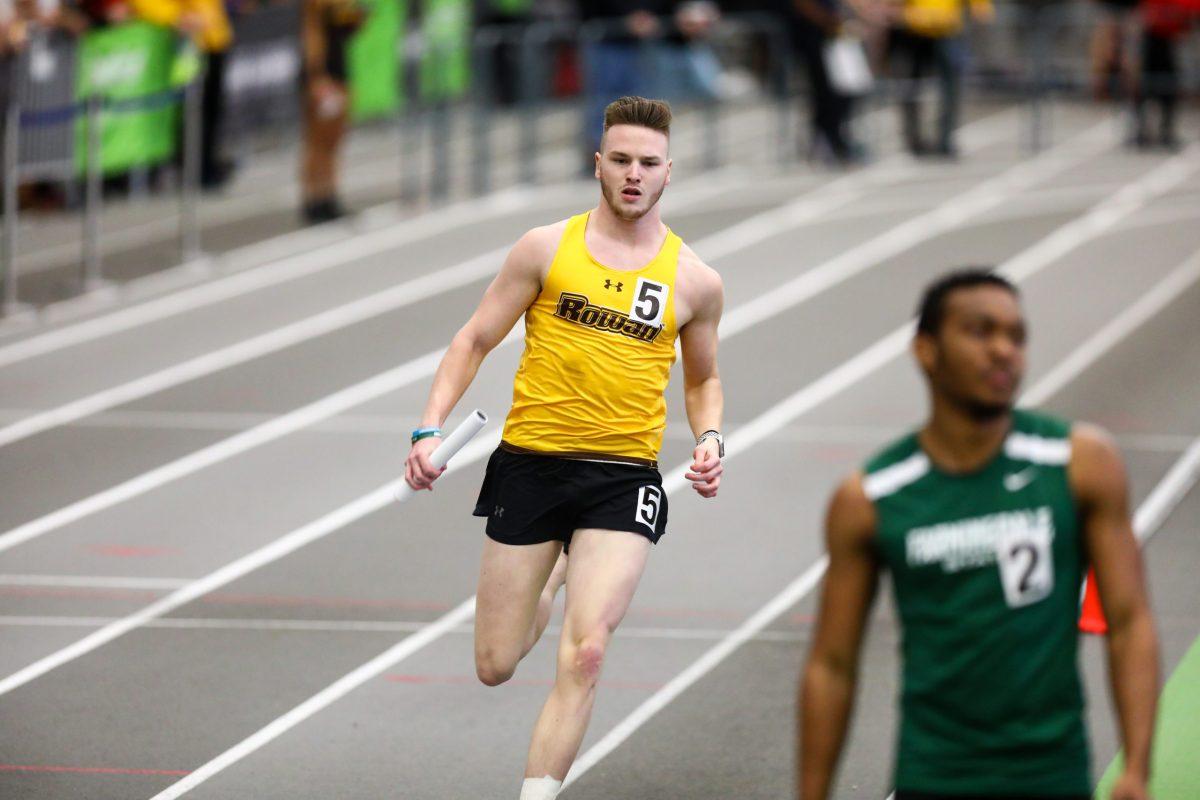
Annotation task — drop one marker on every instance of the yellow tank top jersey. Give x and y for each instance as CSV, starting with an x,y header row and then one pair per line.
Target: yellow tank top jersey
x,y
599,345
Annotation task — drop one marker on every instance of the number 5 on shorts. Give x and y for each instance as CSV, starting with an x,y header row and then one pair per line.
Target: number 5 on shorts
x,y
649,503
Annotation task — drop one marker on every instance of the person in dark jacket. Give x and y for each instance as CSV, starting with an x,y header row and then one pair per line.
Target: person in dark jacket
x,y
1164,23
615,65
814,24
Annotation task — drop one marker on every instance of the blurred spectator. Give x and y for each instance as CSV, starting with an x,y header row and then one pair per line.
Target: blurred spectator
x,y
684,65
515,15
815,25
107,12
925,38
1114,42
12,30
49,15
1164,23
326,27
614,67
206,26
650,48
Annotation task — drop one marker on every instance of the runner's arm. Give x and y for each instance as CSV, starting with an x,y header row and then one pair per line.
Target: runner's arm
x,y
1099,482
828,682
508,297
702,394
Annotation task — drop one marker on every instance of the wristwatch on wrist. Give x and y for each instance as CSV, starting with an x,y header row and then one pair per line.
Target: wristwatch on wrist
x,y
713,435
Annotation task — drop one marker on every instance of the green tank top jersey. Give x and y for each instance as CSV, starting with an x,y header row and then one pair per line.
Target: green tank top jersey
x,y
986,568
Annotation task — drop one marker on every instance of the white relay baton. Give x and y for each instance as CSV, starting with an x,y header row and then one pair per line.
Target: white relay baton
x,y
456,441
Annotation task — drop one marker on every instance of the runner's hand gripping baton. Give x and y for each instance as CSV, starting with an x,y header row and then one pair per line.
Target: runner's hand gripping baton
x,y
457,439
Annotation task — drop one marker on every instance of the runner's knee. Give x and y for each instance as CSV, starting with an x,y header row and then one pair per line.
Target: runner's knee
x,y
492,668
585,658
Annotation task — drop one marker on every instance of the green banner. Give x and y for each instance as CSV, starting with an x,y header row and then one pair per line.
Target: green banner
x,y
120,63
512,8
446,62
375,67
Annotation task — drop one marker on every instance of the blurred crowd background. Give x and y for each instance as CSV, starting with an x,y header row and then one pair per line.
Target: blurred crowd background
x,y
119,98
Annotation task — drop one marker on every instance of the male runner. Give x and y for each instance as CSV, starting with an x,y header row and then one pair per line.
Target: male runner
x,y
604,294
986,519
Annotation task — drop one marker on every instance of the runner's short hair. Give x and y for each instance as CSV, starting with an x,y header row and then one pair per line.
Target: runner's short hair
x,y
640,111
932,310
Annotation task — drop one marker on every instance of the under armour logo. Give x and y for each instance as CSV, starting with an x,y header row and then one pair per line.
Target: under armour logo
x,y
498,511
609,284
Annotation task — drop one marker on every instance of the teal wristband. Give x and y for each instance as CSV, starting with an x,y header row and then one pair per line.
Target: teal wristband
x,y
425,433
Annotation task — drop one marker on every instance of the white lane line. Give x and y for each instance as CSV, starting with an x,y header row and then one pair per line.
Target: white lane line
x,y
93,581
331,693
276,428
191,420
1187,212
278,549
944,218
271,552
335,520
395,423
230,624
741,440
364,626
825,275
825,200
399,296
227,448
1149,305
811,206
1021,267
281,271
1168,494
437,221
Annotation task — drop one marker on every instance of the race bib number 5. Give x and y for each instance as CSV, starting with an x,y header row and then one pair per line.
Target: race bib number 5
x,y
1026,561
649,302
648,505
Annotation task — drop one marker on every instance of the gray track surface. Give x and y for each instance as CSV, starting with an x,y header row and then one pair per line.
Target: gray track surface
x,y
139,236
170,695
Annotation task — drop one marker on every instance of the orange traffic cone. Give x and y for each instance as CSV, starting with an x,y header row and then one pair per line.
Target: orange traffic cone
x,y
1091,615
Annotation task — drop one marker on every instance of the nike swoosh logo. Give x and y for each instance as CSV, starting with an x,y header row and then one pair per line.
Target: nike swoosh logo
x,y
1017,481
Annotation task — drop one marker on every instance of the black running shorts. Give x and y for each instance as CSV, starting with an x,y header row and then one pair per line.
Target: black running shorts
x,y
529,499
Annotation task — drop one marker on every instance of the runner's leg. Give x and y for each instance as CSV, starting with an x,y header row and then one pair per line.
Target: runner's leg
x,y
509,604
602,574
558,576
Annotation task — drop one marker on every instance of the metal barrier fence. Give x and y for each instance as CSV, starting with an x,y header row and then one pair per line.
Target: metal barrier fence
x,y
51,136
543,113
448,143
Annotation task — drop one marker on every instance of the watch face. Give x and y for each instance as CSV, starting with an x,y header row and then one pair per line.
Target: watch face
x,y
713,435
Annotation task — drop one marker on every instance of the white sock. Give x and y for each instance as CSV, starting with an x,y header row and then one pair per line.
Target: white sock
x,y
540,788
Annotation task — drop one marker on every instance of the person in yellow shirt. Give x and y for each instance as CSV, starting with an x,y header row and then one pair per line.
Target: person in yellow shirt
x,y
206,25
605,294
925,38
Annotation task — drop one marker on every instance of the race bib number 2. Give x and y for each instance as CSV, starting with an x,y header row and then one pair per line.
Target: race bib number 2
x,y
1026,563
